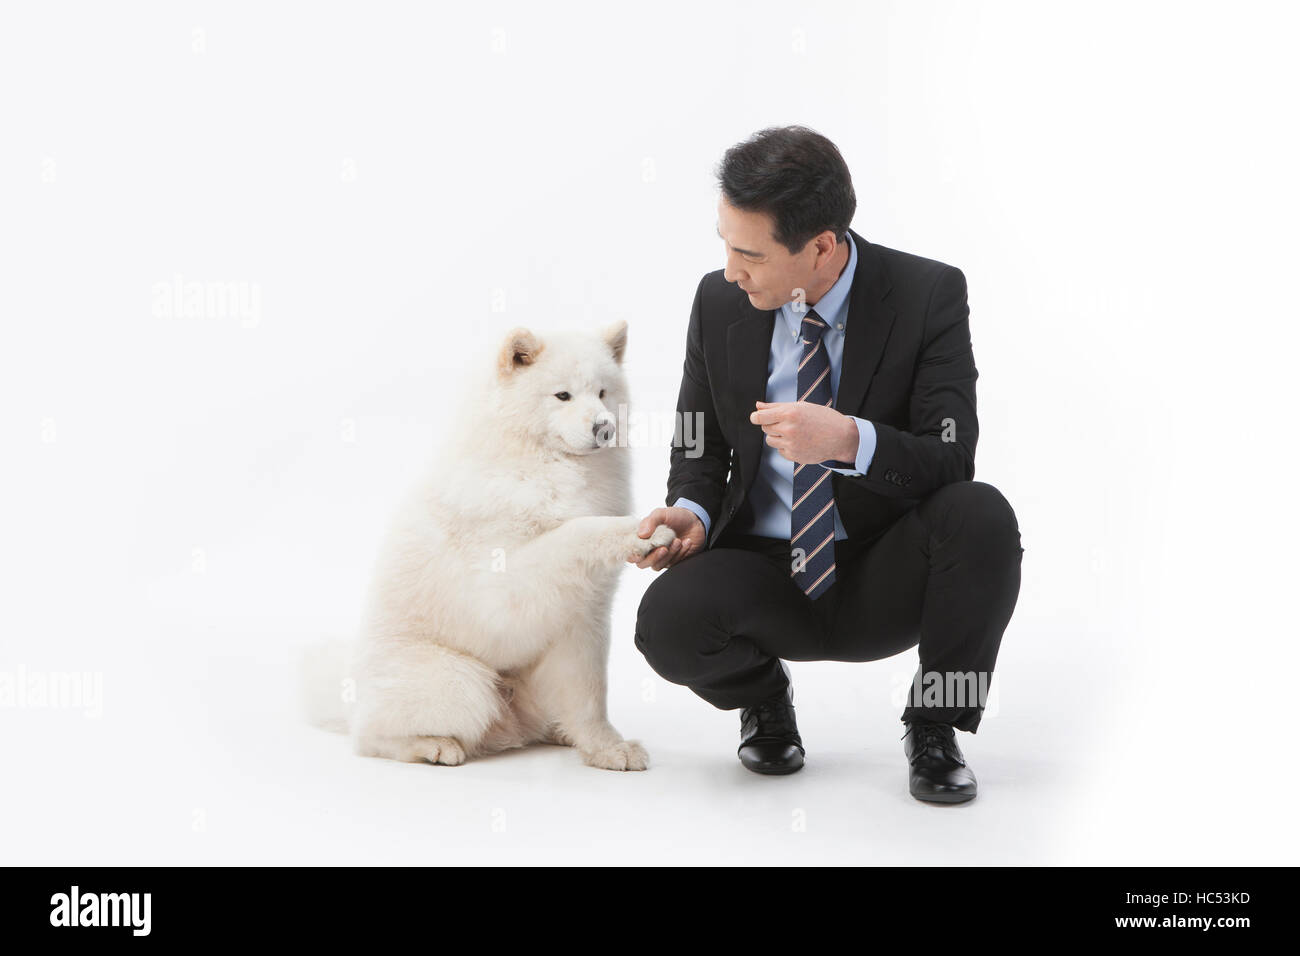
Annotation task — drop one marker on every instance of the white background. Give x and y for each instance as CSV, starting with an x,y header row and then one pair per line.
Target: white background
x,y
187,501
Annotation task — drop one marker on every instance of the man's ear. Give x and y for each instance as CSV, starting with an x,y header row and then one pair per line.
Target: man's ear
x,y
520,348
616,338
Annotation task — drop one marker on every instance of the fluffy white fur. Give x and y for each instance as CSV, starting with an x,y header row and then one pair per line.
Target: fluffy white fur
x,y
488,621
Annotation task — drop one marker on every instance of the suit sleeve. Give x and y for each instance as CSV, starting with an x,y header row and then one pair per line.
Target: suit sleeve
x,y
938,448
700,457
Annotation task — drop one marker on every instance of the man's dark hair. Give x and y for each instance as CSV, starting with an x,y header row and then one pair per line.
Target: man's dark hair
x,y
796,176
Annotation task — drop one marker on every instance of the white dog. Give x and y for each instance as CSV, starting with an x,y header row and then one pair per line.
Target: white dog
x,y
488,622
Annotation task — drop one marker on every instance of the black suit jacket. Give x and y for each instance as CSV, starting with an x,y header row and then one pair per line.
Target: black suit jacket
x,y
908,367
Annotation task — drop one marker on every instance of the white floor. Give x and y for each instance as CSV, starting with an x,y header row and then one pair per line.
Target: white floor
x,y
215,768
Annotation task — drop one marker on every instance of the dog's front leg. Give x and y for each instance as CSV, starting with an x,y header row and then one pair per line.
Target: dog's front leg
x,y
571,559
610,541
570,686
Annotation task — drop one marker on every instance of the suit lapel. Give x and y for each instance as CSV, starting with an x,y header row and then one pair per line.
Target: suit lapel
x,y
749,349
868,327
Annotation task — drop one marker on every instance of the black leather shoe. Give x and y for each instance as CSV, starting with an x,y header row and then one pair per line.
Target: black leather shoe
x,y
769,737
938,770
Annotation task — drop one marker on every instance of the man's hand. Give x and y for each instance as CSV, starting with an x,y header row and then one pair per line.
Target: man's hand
x,y
806,433
689,540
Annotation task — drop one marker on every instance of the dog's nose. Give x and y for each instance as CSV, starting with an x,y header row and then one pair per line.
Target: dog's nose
x,y
603,427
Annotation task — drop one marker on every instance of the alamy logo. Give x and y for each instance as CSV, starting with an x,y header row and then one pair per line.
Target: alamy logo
x,y
181,299
22,689
102,909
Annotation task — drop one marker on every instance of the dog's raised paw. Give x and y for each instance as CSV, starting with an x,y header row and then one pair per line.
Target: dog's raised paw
x,y
624,755
661,536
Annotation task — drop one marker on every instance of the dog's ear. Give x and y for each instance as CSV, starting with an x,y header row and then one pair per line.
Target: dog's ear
x,y
520,348
616,338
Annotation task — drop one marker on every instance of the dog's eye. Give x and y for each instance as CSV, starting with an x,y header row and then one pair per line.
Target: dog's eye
x,y
602,393
563,396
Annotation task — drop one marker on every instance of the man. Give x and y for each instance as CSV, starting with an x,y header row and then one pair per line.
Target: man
x,y
831,512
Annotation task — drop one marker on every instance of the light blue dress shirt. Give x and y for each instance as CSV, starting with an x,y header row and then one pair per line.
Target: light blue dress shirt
x,y
773,487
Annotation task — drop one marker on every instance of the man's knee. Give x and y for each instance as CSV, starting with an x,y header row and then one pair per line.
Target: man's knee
x,y
661,622
976,510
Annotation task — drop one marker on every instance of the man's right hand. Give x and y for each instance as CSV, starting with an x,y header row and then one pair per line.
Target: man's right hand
x,y
690,537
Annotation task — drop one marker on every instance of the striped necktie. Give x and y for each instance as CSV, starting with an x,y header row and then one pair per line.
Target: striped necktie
x,y
812,512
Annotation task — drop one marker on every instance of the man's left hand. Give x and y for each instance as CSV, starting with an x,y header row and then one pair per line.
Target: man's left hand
x,y
806,433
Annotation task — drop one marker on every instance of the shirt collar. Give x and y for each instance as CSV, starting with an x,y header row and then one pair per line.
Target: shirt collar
x,y
833,307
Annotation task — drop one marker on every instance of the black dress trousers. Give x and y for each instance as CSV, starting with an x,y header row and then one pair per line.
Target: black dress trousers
x,y
945,575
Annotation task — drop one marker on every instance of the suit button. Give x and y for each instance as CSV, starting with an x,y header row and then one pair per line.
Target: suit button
x,y
731,512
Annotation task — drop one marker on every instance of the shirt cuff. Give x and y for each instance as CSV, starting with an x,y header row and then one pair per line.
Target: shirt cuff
x,y
692,506
866,450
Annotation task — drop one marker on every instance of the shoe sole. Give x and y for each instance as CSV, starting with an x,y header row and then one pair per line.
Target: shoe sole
x,y
945,797
775,771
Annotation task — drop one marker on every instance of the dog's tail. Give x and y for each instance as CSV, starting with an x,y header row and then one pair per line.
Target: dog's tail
x,y
327,694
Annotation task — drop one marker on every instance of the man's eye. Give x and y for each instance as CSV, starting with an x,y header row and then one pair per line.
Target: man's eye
x,y
563,396
602,393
